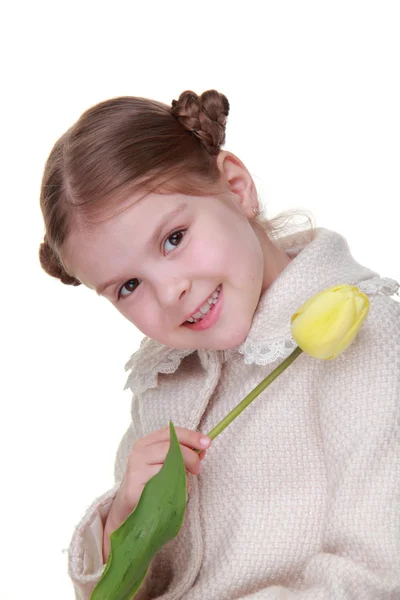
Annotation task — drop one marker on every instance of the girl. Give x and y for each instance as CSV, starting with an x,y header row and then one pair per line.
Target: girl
x,y
299,497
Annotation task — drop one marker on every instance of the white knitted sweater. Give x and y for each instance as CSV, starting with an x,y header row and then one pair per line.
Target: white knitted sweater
x,y
300,497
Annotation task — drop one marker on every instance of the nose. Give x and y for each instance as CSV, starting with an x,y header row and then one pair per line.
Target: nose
x,y
172,291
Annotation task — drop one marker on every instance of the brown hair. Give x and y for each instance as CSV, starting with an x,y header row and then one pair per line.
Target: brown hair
x,y
120,146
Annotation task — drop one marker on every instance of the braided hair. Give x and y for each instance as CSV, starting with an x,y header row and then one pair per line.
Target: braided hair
x,y
205,116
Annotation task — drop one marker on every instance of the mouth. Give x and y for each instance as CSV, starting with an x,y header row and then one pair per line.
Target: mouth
x,y
207,313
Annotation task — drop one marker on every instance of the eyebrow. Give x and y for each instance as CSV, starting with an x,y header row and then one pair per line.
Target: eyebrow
x,y
153,239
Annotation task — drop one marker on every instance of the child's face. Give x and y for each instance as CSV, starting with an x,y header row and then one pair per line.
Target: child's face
x,y
157,284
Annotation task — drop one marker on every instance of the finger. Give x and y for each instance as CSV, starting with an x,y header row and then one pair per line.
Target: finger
x,y
186,437
147,473
157,453
192,461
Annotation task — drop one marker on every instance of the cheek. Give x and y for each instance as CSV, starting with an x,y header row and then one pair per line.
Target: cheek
x,y
239,255
144,316
207,256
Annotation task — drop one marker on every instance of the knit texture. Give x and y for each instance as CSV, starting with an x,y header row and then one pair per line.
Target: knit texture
x,y
300,497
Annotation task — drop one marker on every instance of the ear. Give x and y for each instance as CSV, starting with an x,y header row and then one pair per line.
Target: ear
x,y
238,180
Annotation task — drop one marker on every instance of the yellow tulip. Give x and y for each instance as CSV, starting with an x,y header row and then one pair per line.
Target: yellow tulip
x,y
327,323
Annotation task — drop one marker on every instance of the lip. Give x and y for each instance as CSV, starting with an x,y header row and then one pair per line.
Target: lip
x,y
200,305
210,318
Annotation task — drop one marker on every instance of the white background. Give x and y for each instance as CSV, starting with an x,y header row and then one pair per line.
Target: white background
x,y
315,97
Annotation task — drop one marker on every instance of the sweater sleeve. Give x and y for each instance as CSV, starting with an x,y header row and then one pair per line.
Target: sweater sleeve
x,y
359,410
85,553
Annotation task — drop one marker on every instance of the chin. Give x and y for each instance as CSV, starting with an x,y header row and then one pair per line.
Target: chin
x,y
232,339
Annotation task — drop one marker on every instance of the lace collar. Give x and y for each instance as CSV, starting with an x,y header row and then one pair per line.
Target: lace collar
x,y
317,263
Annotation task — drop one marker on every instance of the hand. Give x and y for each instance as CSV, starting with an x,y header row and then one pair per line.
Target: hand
x,y
145,460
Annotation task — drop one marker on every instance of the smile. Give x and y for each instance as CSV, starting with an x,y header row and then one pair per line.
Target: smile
x,y
208,312
206,307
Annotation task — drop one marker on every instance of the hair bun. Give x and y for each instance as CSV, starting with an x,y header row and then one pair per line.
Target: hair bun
x,y
204,115
52,265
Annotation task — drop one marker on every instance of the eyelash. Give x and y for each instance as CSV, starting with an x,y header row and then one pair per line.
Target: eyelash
x,y
120,296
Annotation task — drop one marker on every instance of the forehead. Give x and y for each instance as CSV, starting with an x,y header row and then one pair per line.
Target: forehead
x,y
134,213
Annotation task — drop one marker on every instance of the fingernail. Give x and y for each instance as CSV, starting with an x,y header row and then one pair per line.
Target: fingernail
x,y
205,441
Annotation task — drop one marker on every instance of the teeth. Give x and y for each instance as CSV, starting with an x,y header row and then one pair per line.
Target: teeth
x,y
197,315
205,308
213,299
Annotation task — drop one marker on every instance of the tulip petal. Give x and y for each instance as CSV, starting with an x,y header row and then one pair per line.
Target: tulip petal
x,y
362,307
326,324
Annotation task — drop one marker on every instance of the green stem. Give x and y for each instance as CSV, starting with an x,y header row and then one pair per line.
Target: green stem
x,y
253,394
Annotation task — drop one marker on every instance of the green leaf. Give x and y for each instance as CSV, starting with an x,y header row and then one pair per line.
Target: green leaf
x,y
156,520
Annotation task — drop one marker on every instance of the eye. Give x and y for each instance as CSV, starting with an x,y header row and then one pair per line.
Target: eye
x,y
128,287
174,240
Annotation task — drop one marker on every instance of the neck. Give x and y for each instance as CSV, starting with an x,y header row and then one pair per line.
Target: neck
x,y
275,259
